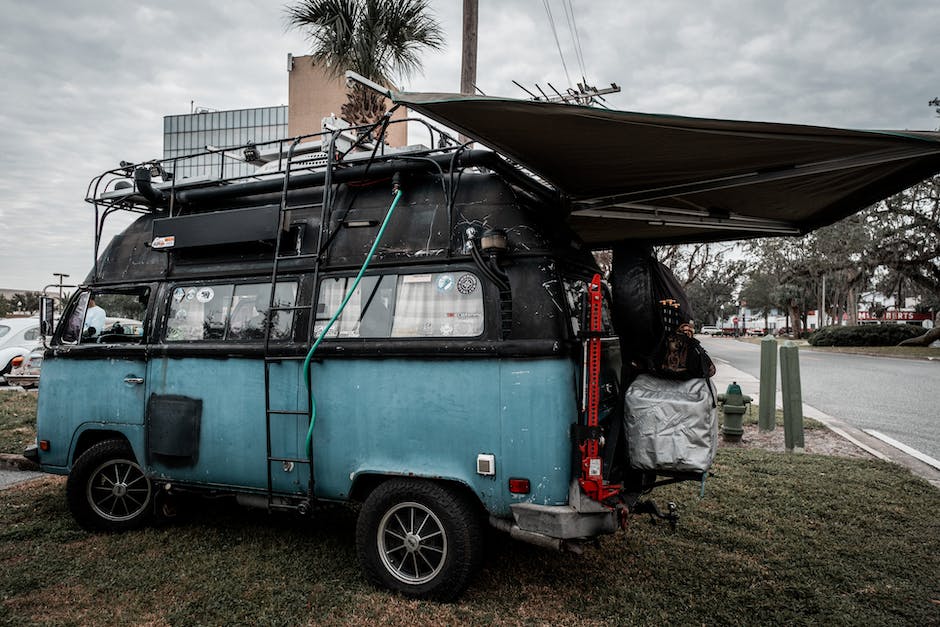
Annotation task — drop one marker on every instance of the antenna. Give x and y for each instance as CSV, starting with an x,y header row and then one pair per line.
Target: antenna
x,y
588,95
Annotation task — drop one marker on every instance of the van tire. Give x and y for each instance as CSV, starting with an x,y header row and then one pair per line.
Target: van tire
x,y
419,538
107,490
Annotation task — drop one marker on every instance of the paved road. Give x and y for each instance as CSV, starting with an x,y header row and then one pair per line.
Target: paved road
x,y
12,477
898,397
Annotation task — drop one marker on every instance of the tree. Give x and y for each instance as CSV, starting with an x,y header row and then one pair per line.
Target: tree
x,y
379,39
709,278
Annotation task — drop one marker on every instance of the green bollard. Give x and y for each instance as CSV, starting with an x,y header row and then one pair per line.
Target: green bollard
x,y
792,397
767,420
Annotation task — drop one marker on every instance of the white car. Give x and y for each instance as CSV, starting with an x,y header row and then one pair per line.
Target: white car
x,y
710,330
18,336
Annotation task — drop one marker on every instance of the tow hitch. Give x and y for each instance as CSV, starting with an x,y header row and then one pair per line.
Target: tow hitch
x,y
650,507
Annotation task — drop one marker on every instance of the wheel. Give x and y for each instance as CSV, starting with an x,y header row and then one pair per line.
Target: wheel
x,y
419,538
107,490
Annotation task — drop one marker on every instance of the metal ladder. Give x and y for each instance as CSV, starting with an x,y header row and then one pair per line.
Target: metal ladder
x,y
271,413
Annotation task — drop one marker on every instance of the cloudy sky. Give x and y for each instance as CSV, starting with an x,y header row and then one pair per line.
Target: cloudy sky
x,y
86,84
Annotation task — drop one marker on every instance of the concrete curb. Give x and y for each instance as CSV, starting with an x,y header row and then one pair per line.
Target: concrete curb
x,y
726,373
8,461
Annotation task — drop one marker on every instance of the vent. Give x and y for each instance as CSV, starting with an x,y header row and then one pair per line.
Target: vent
x,y
486,464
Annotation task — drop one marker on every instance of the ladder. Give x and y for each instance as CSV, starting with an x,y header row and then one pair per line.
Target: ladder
x,y
273,414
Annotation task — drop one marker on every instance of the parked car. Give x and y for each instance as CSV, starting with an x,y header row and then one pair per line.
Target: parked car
x,y
710,330
25,371
18,336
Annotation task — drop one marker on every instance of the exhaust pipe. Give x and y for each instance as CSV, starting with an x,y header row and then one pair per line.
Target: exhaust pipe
x,y
146,189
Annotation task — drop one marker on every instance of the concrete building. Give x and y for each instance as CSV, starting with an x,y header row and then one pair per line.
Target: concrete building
x,y
313,95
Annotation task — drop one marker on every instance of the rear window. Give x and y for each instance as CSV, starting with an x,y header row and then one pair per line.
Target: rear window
x,y
439,304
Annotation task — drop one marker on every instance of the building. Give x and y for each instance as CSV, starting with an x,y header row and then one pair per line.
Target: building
x,y
312,95
208,130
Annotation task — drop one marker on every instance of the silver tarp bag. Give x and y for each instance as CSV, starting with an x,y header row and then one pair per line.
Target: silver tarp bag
x,y
670,424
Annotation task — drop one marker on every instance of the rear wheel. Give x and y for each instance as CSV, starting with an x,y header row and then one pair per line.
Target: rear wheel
x,y
419,538
107,490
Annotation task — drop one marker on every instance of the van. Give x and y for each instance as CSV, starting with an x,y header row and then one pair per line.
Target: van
x,y
442,397
421,331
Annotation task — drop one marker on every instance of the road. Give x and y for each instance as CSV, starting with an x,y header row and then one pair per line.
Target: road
x,y
898,397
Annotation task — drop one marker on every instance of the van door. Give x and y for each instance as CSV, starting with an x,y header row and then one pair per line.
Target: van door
x,y
95,379
206,403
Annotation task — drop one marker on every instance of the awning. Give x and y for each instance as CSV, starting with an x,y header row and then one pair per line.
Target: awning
x,y
666,178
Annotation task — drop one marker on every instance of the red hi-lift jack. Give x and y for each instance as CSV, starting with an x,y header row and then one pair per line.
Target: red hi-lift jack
x,y
592,478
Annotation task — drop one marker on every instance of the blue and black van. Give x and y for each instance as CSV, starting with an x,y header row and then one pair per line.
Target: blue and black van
x,y
423,331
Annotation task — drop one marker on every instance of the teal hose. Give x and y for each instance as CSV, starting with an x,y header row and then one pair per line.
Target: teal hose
x,y
342,306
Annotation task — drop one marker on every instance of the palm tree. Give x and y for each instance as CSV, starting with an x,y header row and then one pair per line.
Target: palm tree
x,y
379,39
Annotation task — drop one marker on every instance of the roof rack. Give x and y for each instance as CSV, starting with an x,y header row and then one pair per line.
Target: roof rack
x,y
151,187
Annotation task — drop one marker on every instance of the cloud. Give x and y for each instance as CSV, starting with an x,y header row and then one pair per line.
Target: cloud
x,y
87,83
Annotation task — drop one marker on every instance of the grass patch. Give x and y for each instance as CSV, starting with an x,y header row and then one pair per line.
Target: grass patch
x,y
909,352
778,539
17,420
753,413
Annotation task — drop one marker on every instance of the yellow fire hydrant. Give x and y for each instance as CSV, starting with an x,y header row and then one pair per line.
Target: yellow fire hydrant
x,y
733,403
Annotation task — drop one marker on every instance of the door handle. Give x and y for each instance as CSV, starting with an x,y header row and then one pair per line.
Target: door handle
x,y
137,380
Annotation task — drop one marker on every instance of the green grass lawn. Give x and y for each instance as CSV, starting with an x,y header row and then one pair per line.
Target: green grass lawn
x,y
17,420
782,539
909,352
778,539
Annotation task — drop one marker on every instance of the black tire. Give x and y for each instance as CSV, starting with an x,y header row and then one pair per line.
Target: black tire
x,y
419,538
107,490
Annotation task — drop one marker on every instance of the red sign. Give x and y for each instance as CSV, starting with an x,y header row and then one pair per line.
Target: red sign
x,y
894,315
734,320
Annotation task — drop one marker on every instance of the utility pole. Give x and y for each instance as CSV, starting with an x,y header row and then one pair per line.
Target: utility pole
x,y
468,60
468,63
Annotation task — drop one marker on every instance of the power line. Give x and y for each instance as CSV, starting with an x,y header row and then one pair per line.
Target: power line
x,y
575,36
551,21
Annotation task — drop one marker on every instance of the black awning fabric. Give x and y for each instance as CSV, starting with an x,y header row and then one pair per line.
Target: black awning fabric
x,y
666,178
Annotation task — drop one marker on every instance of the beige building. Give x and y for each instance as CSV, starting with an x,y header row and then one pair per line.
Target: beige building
x,y
313,95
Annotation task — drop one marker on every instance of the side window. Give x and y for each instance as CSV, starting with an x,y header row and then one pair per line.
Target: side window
x,y
443,304
31,335
228,312
107,317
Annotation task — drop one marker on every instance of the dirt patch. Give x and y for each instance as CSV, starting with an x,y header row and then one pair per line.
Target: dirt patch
x,y
820,441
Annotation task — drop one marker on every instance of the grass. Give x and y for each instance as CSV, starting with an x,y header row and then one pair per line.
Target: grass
x,y
17,420
752,415
777,539
909,352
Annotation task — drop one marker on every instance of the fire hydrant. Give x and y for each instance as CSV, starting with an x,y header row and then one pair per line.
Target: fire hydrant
x,y
733,403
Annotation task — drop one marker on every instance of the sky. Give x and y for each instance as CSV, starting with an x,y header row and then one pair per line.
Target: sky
x,y
86,84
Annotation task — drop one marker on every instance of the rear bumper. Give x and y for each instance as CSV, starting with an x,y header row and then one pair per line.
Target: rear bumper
x,y
580,519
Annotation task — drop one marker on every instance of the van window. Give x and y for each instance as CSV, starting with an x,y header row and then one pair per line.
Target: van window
x,y
107,317
441,304
228,312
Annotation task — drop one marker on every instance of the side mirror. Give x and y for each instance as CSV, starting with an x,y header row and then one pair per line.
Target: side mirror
x,y
46,315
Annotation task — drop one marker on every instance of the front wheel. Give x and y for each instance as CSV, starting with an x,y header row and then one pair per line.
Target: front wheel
x,y
107,490
419,538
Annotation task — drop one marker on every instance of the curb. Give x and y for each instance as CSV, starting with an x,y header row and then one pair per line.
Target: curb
x,y
9,461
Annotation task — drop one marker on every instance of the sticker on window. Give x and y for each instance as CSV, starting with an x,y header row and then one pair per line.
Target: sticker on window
x,y
445,283
466,284
205,294
179,294
416,278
